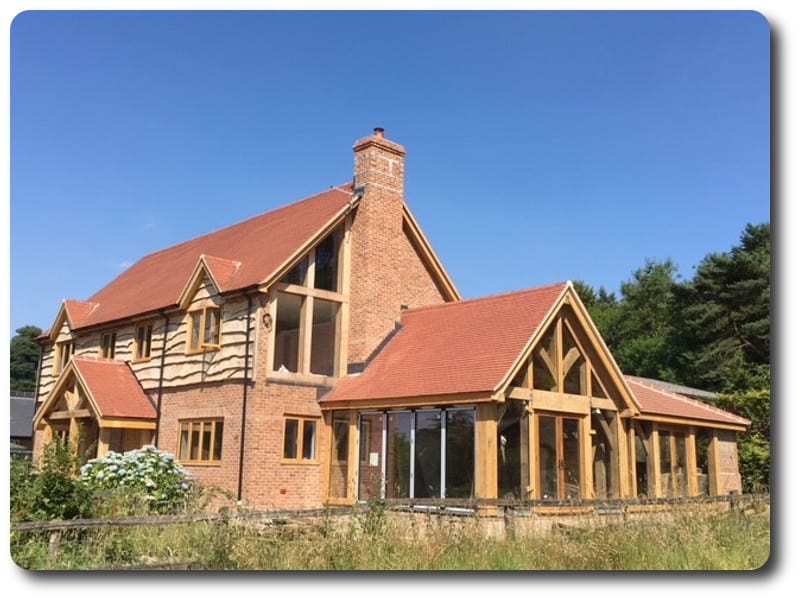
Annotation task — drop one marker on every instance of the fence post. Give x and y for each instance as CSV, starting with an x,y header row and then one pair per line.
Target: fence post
x,y
52,547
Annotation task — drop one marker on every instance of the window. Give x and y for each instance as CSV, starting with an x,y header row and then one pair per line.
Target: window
x,y
287,333
63,352
204,328
300,439
108,342
307,313
428,453
142,342
200,441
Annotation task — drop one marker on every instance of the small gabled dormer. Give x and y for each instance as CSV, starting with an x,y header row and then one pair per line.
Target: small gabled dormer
x,y
201,298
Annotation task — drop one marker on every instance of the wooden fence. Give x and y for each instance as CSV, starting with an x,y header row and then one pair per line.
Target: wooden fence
x,y
449,506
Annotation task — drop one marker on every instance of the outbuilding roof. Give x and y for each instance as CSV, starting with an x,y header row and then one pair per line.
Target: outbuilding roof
x,y
660,401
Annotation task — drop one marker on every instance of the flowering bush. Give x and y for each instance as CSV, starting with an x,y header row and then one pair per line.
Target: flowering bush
x,y
147,474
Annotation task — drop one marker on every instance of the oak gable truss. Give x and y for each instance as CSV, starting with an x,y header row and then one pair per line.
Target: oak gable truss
x,y
567,367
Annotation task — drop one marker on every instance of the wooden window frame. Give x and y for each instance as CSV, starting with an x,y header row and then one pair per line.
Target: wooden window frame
x,y
196,427
301,426
148,327
310,295
201,334
58,355
104,349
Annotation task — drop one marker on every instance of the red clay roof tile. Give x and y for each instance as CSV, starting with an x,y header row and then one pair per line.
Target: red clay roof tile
x,y
114,388
260,245
657,401
223,270
453,348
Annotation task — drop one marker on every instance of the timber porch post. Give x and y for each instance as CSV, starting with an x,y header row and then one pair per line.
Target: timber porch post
x,y
486,455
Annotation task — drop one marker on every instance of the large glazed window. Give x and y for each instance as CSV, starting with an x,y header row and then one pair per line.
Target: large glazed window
x,y
287,333
323,337
307,313
421,454
340,454
559,457
560,362
326,262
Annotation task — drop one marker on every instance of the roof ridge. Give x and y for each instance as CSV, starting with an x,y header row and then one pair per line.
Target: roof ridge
x,y
340,188
686,399
485,298
254,217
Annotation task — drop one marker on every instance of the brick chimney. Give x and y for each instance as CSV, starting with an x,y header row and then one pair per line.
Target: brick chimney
x,y
377,252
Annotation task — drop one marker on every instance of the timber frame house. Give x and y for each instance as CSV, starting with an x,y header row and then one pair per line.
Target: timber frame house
x,y
320,354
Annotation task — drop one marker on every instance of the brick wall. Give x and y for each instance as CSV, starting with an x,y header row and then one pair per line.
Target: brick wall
x,y
203,402
386,271
270,481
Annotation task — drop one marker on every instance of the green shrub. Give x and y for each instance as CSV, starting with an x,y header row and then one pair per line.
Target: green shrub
x,y
146,478
50,489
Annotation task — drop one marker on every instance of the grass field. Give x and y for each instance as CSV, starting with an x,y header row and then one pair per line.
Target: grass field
x,y
376,541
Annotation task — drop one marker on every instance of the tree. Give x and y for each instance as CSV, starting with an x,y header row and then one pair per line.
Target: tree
x,y
24,358
637,328
724,317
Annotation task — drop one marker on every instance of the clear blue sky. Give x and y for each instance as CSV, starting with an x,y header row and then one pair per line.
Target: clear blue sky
x,y
542,146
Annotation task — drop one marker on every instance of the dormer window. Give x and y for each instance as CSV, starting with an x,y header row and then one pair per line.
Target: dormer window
x,y
108,343
63,352
142,342
204,329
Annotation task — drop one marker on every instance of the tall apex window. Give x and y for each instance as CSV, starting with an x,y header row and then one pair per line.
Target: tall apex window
x,y
307,307
142,342
204,329
325,272
63,352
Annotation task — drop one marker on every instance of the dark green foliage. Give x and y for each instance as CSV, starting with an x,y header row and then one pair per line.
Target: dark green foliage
x,y
711,332
24,359
50,490
724,325
637,327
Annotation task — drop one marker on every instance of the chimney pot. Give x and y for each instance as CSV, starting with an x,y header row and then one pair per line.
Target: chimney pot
x,y
379,132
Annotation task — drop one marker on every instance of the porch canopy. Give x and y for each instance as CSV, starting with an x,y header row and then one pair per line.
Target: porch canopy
x,y
99,405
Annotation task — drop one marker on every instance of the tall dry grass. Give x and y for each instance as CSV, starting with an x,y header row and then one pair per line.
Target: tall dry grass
x,y
376,540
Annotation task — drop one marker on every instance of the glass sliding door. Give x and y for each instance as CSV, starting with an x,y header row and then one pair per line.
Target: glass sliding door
x,y
370,463
571,450
339,455
459,481
428,454
398,455
559,457
548,459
